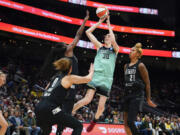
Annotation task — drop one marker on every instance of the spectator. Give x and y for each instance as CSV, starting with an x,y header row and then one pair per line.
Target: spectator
x,y
162,125
156,126
86,117
18,96
17,123
80,118
108,119
91,115
6,116
138,123
168,127
30,124
115,111
146,127
178,126
174,126
115,119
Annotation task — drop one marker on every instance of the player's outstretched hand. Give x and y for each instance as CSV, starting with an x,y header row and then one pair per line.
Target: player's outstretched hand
x,y
150,103
103,19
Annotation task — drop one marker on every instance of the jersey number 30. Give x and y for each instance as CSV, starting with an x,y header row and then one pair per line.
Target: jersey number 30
x,y
106,56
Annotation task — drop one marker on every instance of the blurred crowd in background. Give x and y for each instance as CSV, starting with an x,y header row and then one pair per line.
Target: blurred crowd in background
x,y
18,99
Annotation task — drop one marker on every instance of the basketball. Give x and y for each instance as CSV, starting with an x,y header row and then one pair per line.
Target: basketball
x,y
102,11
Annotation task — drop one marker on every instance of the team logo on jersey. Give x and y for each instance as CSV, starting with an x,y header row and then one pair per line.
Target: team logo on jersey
x,y
130,71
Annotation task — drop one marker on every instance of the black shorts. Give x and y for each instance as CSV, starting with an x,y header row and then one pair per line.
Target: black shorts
x,y
132,102
99,91
48,114
68,106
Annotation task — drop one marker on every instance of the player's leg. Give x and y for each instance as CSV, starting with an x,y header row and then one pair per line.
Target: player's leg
x,y
134,107
86,100
127,129
67,107
44,117
100,110
3,124
125,107
101,106
44,122
104,94
67,120
46,129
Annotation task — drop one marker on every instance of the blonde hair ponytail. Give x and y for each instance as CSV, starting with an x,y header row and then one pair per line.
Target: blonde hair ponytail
x,y
138,47
63,65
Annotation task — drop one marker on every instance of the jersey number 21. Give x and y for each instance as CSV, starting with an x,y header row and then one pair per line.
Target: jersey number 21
x,y
132,78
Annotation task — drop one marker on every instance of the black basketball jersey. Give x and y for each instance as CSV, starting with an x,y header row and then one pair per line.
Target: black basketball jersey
x,y
133,80
72,93
74,60
56,93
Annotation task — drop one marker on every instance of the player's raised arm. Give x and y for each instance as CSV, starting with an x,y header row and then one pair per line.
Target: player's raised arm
x,y
69,51
90,35
83,79
114,43
74,79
